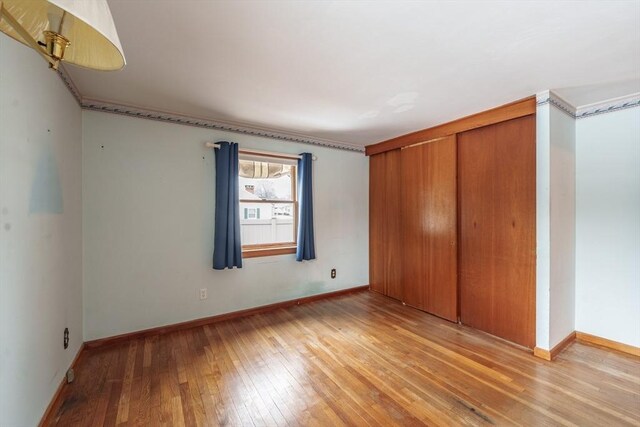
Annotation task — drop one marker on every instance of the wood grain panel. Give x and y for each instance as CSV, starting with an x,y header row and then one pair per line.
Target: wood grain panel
x,y
361,359
497,208
377,220
505,112
385,250
429,227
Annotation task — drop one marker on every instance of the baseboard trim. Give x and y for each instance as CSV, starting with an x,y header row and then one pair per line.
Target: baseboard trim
x,y
607,343
49,414
557,349
542,353
218,318
583,337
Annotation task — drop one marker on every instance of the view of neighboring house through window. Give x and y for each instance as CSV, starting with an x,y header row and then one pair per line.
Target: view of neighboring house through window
x,y
267,201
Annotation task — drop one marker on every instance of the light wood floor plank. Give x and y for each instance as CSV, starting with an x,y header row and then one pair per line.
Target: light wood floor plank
x,y
359,359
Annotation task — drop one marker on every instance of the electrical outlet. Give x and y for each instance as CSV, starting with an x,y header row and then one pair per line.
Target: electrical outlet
x,y
65,340
203,293
333,273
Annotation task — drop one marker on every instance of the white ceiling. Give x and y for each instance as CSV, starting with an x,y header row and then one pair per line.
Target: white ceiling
x,y
361,72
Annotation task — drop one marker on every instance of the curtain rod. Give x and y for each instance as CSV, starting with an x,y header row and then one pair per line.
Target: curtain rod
x,y
260,152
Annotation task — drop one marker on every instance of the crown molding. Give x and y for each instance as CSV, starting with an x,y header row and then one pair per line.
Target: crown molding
x,y
542,98
144,113
602,107
609,106
66,79
552,98
176,118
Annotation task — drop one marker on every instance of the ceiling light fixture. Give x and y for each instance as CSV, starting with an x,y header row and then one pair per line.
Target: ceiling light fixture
x,y
80,32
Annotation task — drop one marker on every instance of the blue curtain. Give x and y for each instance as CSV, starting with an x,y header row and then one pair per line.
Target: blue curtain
x,y
227,250
306,246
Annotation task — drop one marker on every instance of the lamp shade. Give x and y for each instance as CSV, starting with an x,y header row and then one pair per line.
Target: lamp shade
x,y
86,24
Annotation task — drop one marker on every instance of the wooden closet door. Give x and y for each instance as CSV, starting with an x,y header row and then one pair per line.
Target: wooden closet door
x,y
497,208
429,227
385,251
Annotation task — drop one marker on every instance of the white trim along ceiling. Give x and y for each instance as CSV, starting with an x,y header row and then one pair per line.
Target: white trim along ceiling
x,y
149,114
607,106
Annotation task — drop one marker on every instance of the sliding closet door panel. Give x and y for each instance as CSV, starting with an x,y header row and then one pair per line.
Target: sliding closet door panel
x,y
429,227
393,250
497,205
377,202
385,265
413,271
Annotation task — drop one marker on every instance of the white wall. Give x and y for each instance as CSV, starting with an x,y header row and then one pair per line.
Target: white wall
x,y
148,227
562,231
40,225
543,222
608,226
555,224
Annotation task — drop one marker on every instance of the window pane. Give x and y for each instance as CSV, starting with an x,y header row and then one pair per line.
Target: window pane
x,y
265,181
264,223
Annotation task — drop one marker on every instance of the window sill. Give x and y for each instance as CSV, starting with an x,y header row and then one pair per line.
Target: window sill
x,y
255,253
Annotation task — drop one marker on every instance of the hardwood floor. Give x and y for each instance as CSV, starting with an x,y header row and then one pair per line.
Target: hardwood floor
x,y
360,359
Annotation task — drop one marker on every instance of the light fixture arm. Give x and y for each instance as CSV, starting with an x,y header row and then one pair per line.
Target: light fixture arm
x,y
4,14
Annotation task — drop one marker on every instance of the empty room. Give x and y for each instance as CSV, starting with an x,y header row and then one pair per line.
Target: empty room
x,y
319,213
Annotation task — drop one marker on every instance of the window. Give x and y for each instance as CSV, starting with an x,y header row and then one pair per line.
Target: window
x,y
251,213
268,205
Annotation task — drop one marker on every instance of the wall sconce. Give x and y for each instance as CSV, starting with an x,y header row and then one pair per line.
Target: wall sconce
x,y
80,32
